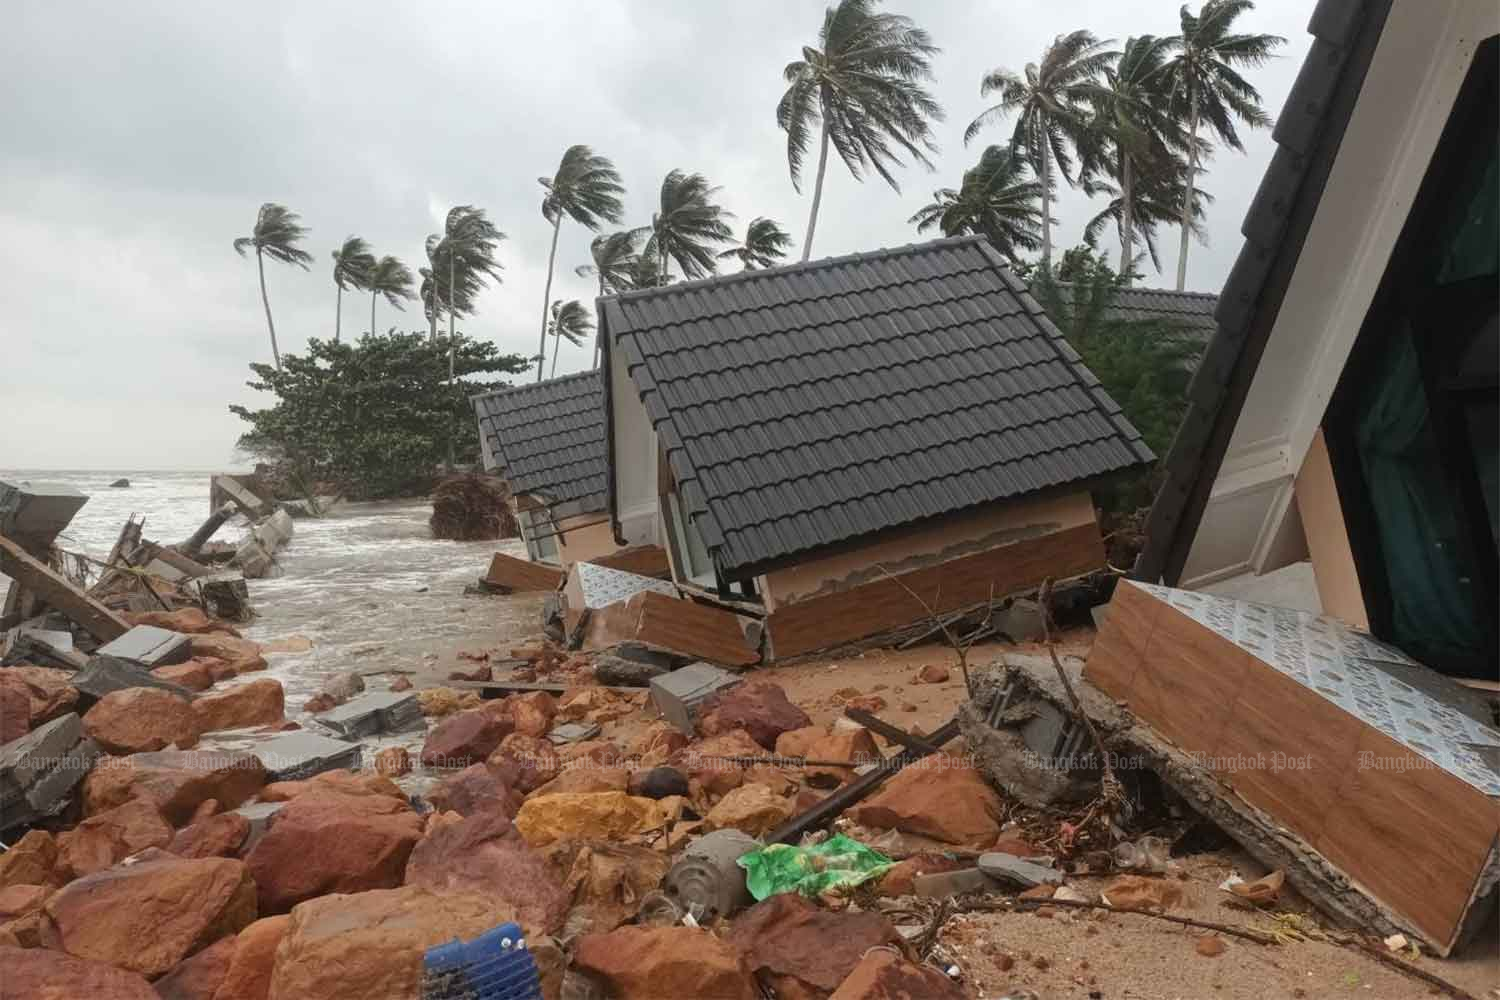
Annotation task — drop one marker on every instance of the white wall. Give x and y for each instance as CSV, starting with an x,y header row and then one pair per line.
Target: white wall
x,y
635,456
1420,63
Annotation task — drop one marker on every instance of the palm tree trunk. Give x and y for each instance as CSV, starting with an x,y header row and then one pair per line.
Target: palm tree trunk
x,y
338,314
597,342
1187,196
555,348
541,351
373,296
812,216
1046,205
1127,217
452,262
260,262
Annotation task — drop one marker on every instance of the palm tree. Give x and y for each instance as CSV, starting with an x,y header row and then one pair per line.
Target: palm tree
x,y
391,278
766,244
1132,130
571,321
1206,87
352,264
587,189
1048,104
464,255
995,199
686,226
1156,198
862,90
615,257
277,232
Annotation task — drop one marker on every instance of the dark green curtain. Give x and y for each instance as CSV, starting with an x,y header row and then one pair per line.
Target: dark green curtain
x,y
1434,613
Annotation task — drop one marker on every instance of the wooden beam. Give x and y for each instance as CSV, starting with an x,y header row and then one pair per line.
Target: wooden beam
x,y
514,575
100,622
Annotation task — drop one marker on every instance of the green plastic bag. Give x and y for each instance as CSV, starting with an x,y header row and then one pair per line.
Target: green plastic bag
x,y
837,861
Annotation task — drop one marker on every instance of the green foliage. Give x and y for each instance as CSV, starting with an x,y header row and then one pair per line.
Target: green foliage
x,y
688,226
995,199
277,232
373,416
1144,365
766,244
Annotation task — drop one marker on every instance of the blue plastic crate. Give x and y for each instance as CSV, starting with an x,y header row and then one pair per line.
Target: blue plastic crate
x,y
493,966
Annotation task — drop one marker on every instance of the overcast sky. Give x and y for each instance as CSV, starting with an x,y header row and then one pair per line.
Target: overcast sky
x,y
140,138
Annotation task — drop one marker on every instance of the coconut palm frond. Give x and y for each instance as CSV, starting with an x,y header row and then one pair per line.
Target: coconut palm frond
x,y
996,199
766,245
688,225
586,188
352,264
277,232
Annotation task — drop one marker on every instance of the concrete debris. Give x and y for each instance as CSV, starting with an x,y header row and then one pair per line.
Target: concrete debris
x,y
300,755
677,695
1018,871
39,771
377,712
106,674
256,554
149,646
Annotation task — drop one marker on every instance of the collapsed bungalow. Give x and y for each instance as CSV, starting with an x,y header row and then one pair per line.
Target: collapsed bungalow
x,y
856,443
547,441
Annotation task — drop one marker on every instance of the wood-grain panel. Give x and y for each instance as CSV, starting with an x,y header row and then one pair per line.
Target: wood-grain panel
x,y
883,605
645,560
1187,680
1120,644
1414,835
519,575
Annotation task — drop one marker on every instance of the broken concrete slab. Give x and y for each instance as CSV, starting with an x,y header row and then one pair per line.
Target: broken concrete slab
x,y
376,712
107,674
573,732
245,501
42,647
34,514
677,695
1022,621
299,755
225,595
150,647
1018,871
256,554
39,770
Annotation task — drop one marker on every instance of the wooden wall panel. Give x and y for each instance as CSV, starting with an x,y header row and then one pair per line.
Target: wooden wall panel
x,y
1121,643
882,605
518,575
647,560
677,625
1187,681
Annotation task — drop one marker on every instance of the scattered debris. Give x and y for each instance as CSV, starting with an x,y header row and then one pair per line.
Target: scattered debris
x,y
298,756
676,696
471,507
377,712
509,575
149,646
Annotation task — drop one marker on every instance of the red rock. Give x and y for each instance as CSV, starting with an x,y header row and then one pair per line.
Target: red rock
x,y
193,674
139,719
257,703
392,762
789,936
659,738
319,703
369,945
481,673
705,762
178,781
477,788
49,692
806,799
149,915
218,836
751,808
1210,946
218,670
589,779
15,708
250,968
942,797
242,654
188,621
533,712
900,879
111,836
401,683
1136,892
600,752
843,743
40,974
483,854
759,707
932,673
533,759
336,782
866,703
199,976
21,913
799,742
32,860
651,963
606,881
885,975
464,739
1014,845
324,842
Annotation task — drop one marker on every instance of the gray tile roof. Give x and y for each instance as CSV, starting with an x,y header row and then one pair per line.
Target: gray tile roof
x,y
807,405
547,439
1192,312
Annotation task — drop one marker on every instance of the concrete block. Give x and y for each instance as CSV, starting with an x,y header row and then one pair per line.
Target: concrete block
x,y
573,732
1022,621
676,695
34,514
939,885
106,674
1018,871
299,755
150,646
23,761
377,712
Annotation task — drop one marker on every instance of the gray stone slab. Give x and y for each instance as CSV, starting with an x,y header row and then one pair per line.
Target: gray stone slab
x,y
677,695
573,732
1018,871
26,759
298,755
150,646
35,513
107,674
49,792
939,885
376,712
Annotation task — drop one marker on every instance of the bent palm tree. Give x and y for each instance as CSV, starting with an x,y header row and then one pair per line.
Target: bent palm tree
x,y
1206,88
571,321
862,91
463,259
391,278
352,264
1155,200
615,256
587,189
765,245
1047,102
277,232
995,199
1132,132
687,225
